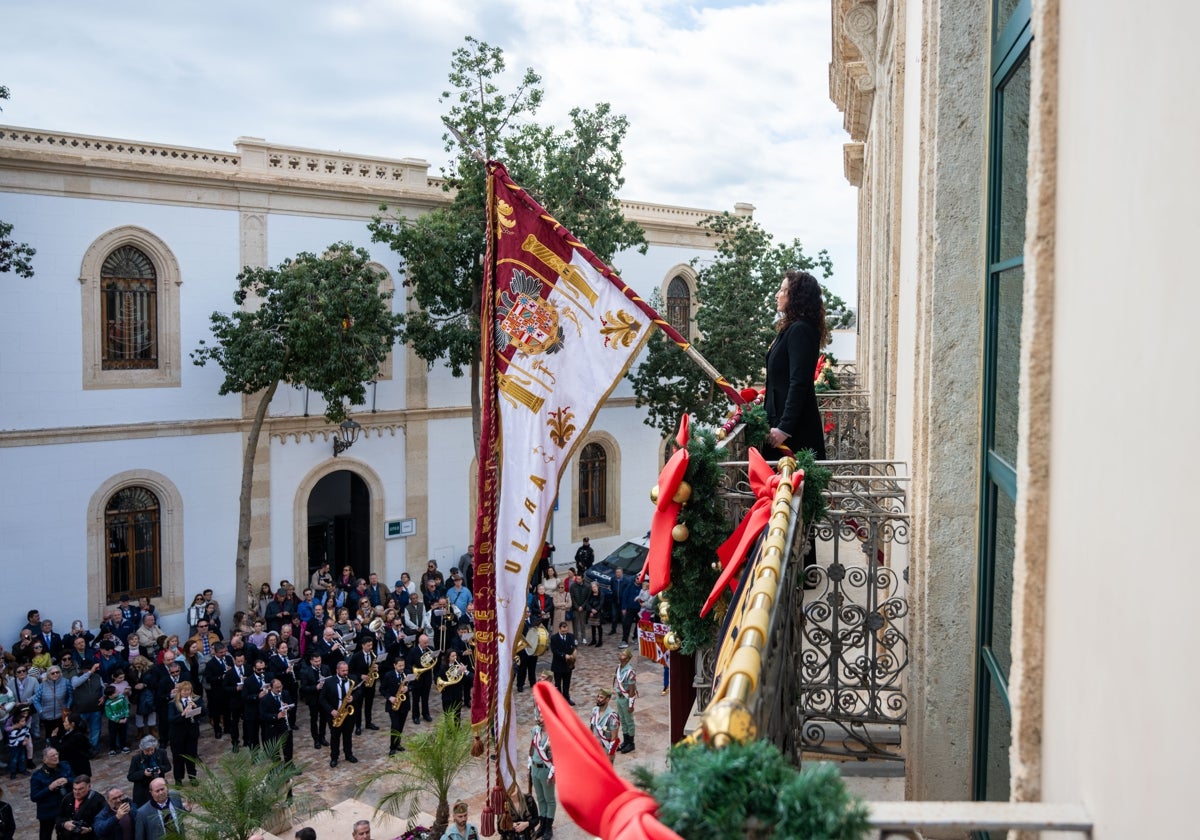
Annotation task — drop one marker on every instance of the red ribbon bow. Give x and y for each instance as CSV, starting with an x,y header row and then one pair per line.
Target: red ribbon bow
x,y
598,800
732,553
666,513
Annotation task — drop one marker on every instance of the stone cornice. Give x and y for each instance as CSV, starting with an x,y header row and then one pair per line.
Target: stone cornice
x,y
289,178
283,429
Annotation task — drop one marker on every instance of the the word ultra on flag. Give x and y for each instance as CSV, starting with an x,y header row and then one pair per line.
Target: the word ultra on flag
x,y
559,331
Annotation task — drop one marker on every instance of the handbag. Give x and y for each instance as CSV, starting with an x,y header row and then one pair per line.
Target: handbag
x,y
569,615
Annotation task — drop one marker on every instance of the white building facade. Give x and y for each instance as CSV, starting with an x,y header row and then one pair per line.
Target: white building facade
x,y
121,464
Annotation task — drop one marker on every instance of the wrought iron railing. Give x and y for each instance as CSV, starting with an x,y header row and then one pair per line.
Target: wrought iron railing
x,y
846,415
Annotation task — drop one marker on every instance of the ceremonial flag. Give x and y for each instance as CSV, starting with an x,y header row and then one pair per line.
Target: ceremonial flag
x,y
559,329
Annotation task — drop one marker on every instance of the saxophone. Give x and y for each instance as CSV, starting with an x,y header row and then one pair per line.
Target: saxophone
x,y
372,675
454,675
401,696
428,660
346,707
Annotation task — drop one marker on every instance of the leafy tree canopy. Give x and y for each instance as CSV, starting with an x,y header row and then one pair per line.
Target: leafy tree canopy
x,y
734,323
574,172
14,256
320,322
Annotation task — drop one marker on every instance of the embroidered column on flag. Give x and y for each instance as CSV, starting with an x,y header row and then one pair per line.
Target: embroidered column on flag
x,y
562,330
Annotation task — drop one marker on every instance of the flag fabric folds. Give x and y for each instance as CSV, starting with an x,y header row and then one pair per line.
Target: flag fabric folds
x,y
559,331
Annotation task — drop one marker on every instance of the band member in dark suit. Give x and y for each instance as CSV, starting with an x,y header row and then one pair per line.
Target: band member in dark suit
x,y
451,680
218,696
395,642
361,662
280,667
183,717
332,697
253,689
234,679
420,660
330,647
562,662
462,645
526,657
273,710
313,675
396,680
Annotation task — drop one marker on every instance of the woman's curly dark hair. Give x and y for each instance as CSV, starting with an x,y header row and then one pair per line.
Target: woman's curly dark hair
x,y
805,302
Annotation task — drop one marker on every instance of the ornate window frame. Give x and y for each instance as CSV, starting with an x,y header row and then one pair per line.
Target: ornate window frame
x,y
688,275
167,374
307,484
170,542
611,526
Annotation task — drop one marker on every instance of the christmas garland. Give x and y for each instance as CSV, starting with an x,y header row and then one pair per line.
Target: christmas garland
x,y
706,526
749,790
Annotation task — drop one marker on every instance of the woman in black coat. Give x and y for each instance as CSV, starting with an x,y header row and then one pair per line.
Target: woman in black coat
x,y
791,399
73,745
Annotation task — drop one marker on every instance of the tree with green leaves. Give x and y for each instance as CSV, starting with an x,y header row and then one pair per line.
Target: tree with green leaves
x,y
574,173
247,790
319,322
433,760
734,323
14,256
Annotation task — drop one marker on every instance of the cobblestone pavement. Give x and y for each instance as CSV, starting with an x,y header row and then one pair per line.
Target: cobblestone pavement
x,y
334,785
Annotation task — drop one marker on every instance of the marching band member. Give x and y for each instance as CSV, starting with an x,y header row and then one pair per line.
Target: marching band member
x,y
396,682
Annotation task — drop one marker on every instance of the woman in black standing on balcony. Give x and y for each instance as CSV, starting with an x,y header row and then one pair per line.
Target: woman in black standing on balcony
x,y
791,399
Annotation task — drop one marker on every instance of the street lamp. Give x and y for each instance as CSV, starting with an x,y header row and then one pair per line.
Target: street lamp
x,y
347,434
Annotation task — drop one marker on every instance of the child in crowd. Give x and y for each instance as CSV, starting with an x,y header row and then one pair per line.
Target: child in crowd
x,y
116,709
20,741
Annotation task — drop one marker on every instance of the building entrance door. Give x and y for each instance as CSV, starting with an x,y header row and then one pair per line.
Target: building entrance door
x,y
339,524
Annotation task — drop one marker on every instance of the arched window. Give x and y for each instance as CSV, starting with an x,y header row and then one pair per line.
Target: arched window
x,y
129,310
679,306
129,281
593,485
133,556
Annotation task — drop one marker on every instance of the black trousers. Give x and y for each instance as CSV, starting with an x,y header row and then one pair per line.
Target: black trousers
x,y
398,717
185,746
341,738
526,669
250,732
277,729
563,683
418,694
233,722
365,707
318,724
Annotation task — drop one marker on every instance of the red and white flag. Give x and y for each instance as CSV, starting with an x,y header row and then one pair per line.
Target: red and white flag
x,y
560,329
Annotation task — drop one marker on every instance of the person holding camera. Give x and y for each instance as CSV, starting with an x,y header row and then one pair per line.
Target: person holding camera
x,y
47,789
150,762
77,813
115,820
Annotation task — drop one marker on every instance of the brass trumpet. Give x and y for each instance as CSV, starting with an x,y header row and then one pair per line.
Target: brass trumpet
x,y
454,675
428,660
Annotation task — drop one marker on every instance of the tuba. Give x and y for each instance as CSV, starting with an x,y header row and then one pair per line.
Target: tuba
x,y
346,707
454,675
428,660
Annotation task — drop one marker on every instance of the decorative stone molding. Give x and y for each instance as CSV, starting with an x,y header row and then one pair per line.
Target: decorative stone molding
x,y
852,160
107,147
852,70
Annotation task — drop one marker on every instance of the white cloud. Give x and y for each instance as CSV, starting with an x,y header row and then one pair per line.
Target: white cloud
x,y
727,100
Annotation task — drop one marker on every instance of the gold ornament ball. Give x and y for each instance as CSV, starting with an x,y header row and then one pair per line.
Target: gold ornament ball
x,y
720,434
680,533
664,610
671,641
654,494
682,494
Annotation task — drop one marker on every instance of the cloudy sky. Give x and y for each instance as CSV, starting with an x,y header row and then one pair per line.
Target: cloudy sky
x,y
727,100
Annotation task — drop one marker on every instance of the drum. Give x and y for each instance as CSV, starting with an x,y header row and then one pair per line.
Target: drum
x,y
537,640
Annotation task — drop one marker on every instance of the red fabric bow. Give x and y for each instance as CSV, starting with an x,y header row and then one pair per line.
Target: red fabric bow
x,y
666,513
732,553
597,799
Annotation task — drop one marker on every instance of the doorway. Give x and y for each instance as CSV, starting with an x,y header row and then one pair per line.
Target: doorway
x,y
339,524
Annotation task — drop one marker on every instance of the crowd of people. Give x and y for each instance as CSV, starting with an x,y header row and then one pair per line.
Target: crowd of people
x,y
347,648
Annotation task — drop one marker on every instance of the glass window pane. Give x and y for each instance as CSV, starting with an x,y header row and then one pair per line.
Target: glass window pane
x,y
1004,10
999,739
1003,550
1010,288
1013,115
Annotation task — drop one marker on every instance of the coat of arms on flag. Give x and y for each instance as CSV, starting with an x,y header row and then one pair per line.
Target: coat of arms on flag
x,y
524,319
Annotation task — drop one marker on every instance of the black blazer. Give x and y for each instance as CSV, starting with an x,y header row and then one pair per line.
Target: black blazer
x,y
791,400
330,700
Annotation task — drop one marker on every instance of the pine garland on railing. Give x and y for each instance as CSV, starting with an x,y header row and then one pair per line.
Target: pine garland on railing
x,y
749,790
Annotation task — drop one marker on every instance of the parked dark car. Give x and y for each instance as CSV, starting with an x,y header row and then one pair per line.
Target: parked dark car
x,y
629,557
